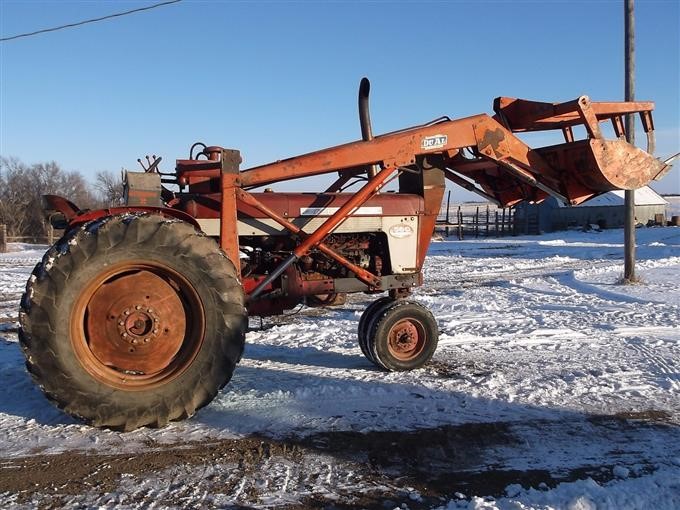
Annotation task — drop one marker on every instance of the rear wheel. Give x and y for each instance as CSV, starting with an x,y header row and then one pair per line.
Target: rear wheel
x,y
132,321
402,336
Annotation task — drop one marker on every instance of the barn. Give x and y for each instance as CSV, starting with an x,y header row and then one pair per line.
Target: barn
x,y
606,210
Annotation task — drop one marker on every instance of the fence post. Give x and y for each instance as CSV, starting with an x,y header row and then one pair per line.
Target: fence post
x,y
487,220
477,222
3,238
448,206
459,215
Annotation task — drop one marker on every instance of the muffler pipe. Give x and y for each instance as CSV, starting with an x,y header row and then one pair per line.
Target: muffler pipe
x,y
364,114
365,120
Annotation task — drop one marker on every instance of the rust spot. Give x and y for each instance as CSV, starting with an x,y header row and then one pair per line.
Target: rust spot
x,y
492,139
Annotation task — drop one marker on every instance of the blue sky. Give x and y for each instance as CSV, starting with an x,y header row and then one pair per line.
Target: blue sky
x,y
276,79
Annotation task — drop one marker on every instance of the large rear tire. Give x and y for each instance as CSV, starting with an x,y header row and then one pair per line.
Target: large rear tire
x,y
133,320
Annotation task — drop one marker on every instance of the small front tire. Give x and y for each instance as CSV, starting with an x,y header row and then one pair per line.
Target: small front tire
x,y
402,336
364,322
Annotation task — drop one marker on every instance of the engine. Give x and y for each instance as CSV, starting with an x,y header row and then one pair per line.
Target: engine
x,y
260,255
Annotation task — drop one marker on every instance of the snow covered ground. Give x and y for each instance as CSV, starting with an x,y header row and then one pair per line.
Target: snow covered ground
x,y
550,379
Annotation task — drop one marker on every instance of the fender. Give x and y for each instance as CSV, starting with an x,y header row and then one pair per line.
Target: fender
x,y
64,214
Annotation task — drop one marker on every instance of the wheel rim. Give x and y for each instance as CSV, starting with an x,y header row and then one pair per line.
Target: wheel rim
x,y
137,325
406,339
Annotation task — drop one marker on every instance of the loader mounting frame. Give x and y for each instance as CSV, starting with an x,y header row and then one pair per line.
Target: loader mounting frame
x,y
480,153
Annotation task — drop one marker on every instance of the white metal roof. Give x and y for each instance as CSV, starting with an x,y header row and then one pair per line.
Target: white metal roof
x,y
643,196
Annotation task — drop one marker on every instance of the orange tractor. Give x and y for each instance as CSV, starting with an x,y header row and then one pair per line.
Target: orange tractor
x,y
138,315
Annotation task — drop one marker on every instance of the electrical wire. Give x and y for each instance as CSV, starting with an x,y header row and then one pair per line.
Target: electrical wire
x,y
93,20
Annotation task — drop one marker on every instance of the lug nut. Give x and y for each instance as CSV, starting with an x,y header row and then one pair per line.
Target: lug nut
x,y
146,340
124,335
150,310
121,323
138,307
155,331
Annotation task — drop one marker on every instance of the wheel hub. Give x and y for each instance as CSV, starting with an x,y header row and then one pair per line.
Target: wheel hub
x,y
404,336
136,323
406,339
139,324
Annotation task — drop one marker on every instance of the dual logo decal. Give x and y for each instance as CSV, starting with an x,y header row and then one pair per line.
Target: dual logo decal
x,y
434,142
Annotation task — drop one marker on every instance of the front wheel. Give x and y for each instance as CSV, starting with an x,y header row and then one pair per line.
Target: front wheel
x,y
402,336
364,324
132,321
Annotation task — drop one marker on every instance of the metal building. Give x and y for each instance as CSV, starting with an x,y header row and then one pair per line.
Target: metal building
x,y
606,210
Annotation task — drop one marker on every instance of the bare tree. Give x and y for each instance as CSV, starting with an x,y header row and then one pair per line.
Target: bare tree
x,y
109,188
15,195
21,189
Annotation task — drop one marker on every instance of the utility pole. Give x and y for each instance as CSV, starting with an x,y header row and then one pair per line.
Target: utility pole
x,y
629,202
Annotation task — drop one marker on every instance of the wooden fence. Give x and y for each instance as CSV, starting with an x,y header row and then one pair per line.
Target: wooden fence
x,y
475,220
5,239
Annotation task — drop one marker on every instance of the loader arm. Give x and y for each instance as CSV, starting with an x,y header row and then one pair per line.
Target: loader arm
x,y
483,154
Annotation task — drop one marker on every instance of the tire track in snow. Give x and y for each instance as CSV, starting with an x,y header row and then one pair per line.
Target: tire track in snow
x,y
566,331
535,269
14,271
657,362
15,262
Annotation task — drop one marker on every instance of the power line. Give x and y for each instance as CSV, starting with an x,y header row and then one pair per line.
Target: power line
x,y
93,20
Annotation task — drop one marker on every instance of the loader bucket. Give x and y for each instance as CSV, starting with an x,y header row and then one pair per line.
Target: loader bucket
x,y
623,166
594,166
503,168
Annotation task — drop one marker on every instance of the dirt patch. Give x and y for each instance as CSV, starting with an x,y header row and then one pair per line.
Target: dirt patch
x,y
420,468
75,472
415,467
649,415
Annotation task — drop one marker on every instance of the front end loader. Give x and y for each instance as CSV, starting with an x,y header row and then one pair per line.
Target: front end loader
x,y
138,315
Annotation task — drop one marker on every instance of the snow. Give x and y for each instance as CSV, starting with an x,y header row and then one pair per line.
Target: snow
x,y
627,494
536,334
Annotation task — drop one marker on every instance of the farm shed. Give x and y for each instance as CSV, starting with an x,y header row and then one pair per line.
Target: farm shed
x,y
606,210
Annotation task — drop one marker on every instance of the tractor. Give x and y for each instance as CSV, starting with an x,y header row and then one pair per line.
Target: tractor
x,y
137,316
